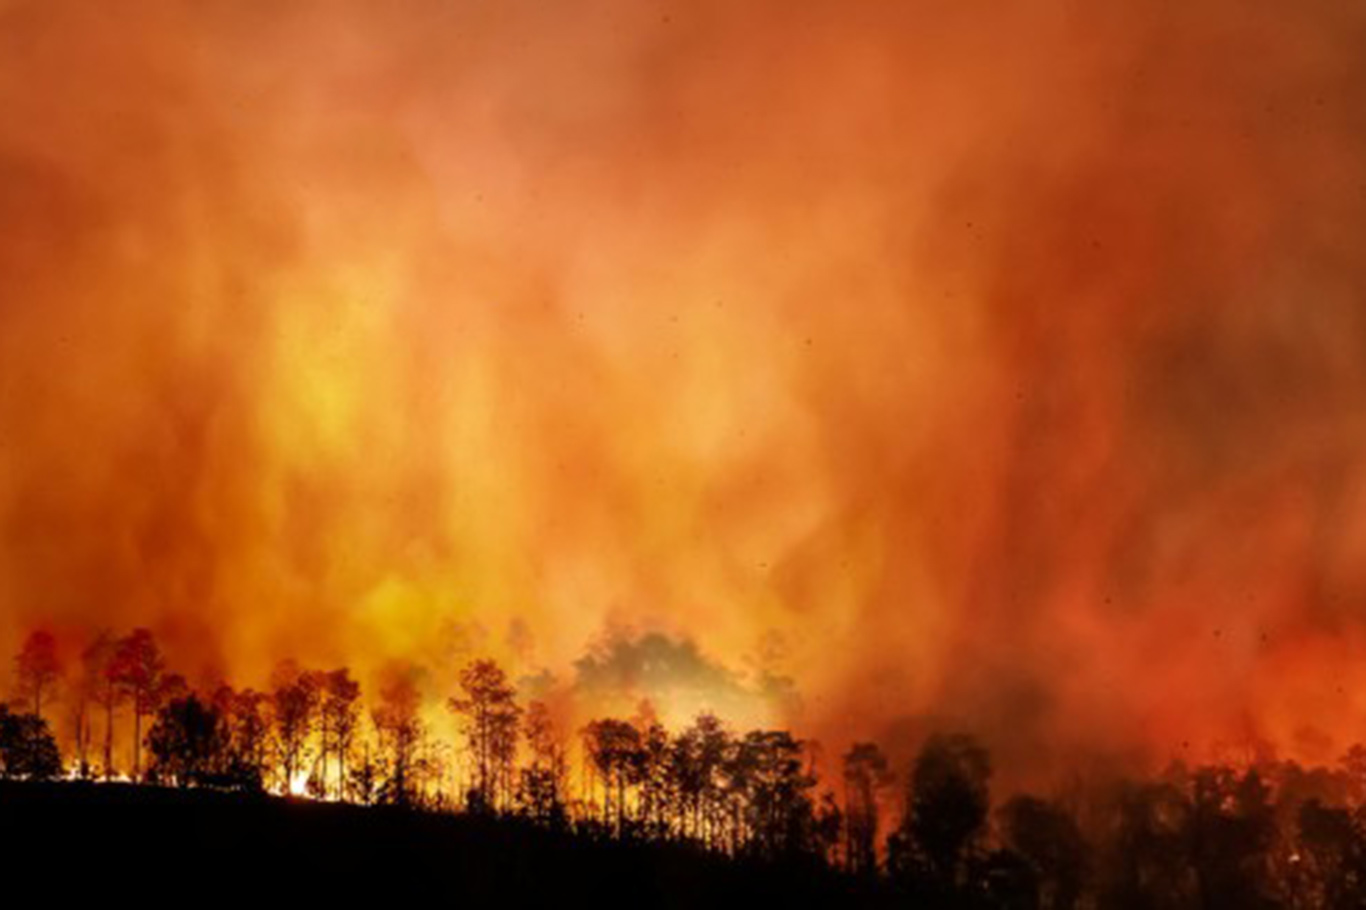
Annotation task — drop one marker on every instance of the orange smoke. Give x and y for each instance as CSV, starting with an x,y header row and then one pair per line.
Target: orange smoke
x,y
992,366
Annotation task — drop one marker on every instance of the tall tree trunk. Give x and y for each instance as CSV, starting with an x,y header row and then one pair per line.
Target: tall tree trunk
x,y
323,734
80,737
137,743
109,734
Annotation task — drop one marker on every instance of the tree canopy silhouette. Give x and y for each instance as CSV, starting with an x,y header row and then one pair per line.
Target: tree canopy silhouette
x,y
487,702
136,670
946,813
1256,835
38,669
27,748
188,741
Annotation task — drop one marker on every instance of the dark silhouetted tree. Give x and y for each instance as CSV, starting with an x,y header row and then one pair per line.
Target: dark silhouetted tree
x,y
770,783
1004,880
294,706
541,788
1232,826
108,695
1328,866
1149,849
1047,836
80,694
363,781
946,812
615,750
247,728
188,741
38,668
866,775
700,754
339,714
652,772
1353,764
400,735
136,669
488,705
828,829
27,748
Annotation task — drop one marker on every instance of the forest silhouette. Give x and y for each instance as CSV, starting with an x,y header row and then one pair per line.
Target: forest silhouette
x,y
647,816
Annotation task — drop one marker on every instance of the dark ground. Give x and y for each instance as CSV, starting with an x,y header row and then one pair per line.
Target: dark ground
x,y
146,846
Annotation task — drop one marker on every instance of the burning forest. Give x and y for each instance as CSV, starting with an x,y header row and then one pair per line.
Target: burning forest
x,y
922,438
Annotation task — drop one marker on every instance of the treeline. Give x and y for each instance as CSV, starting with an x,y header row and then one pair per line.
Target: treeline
x,y
1260,834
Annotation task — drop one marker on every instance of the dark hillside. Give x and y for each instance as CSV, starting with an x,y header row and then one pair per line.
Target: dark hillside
x,y
199,847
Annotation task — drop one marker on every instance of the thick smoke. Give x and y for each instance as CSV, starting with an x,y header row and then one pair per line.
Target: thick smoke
x,y
995,365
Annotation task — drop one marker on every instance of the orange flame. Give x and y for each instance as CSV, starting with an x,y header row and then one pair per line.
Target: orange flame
x,y
995,367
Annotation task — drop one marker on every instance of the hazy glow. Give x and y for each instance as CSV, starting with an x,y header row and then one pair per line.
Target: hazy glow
x,y
999,364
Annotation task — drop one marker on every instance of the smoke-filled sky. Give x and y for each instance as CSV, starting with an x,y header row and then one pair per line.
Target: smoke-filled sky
x,y
994,365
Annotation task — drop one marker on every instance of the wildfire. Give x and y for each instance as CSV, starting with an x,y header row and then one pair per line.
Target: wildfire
x,y
895,367
298,785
